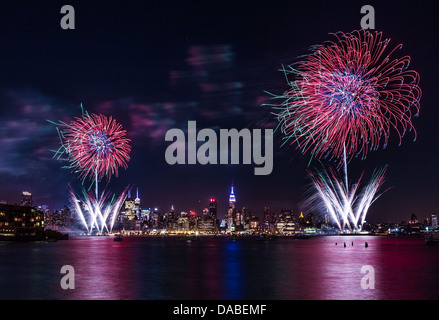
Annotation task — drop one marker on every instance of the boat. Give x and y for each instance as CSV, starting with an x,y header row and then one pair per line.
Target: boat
x,y
118,238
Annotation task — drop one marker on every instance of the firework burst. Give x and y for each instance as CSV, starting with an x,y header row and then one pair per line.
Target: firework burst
x,y
347,96
96,146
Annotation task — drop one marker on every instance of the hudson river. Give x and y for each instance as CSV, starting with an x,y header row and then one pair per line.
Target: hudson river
x,y
404,267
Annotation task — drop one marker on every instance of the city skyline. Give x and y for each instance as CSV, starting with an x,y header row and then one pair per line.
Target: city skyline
x,y
214,70
134,219
209,206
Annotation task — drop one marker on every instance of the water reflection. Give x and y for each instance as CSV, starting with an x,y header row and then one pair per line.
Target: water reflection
x,y
233,276
339,261
217,269
104,269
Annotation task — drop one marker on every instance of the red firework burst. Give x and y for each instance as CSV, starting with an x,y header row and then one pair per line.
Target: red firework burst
x,y
347,95
97,146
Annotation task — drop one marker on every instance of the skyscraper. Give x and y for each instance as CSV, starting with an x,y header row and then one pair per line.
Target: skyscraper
x,y
212,208
433,221
129,207
231,214
137,205
26,199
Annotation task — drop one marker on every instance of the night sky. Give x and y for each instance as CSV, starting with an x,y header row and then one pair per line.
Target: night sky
x,y
154,65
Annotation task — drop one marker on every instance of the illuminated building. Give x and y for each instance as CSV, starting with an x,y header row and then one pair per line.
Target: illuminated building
x,y
54,220
223,225
26,199
238,225
413,219
433,221
208,222
146,214
137,209
267,226
301,219
129,207
20,222
285,224
213,208
267,216
193,221
309,219
231,214
243,216
183,222
154,219
170,221
253,224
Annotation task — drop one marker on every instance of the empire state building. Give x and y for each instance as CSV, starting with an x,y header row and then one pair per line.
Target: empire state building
x,y
231,215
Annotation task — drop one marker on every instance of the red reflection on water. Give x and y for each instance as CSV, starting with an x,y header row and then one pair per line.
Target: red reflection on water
x,y
338,264
407,268
102,269
318,268
403,268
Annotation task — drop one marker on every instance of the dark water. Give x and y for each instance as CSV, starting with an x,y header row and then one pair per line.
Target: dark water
x,y
163,268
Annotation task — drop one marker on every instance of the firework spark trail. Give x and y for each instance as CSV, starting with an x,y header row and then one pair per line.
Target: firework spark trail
x,y
76,204
370,195
346,207
117,207
97,213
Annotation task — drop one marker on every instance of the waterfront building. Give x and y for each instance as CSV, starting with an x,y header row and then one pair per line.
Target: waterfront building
x,y
206,224
183,222
20,221
285,224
